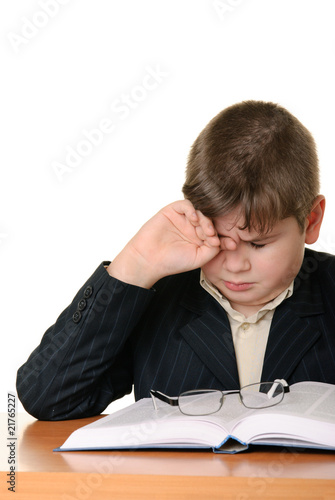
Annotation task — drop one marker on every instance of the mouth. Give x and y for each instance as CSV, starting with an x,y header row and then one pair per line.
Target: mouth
x,y
237,287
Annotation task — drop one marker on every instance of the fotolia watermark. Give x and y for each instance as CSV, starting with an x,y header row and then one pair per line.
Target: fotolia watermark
x,y
30,28
224,7
121,107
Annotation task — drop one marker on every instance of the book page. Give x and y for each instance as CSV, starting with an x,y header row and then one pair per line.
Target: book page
x,y
140,425
143,411
306,415
313,400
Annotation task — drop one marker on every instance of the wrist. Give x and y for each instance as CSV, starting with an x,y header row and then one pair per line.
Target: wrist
x,y
131,270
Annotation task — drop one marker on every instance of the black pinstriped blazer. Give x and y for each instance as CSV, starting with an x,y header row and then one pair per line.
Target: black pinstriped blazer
x,y
172,338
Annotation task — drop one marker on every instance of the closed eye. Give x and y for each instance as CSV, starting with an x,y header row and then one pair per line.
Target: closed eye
x,y
256,245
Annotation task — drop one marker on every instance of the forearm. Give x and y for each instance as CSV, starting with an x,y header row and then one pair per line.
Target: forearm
x,y
70,374
133,270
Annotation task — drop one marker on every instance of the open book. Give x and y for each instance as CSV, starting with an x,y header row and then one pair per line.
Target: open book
x,y
305,417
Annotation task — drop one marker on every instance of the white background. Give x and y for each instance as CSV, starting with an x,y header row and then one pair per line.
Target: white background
x,y
66,68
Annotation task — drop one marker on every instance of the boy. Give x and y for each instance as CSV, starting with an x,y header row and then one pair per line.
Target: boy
x,y
214,292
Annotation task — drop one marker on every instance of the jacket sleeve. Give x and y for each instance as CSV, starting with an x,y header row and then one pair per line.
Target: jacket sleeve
x,y
83,361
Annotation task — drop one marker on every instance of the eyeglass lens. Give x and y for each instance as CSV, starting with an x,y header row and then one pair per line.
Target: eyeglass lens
x,y
200,402
253,396
262,395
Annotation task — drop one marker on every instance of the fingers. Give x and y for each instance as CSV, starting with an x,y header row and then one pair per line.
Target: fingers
x,y
206,224
227,243
205,229
185,207
196,217
203,226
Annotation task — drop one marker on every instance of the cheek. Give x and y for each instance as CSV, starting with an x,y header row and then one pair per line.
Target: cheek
x,y
294,267
213,267
282,272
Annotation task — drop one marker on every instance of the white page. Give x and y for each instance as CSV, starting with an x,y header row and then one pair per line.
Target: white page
x,y
307,413
139,424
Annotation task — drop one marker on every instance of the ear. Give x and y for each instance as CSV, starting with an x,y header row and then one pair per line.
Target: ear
x,y
314,220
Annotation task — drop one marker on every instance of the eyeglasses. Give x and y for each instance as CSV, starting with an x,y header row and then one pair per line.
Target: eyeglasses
x,y
208,401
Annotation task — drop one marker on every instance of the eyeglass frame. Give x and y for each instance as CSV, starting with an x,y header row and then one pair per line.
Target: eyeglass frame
x,y
174,401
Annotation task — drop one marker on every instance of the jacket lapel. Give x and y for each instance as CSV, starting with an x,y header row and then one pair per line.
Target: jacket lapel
x,y
209,335
294,329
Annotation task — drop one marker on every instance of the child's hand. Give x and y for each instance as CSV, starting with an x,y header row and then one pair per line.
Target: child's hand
x,y
177,239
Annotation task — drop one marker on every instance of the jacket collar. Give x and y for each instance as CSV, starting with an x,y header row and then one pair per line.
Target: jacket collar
x,y
295,327
293,330
209,334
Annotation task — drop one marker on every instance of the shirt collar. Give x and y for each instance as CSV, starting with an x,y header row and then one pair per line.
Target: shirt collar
x,y
237,316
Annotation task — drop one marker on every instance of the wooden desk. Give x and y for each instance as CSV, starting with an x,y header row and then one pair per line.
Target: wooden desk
x,y
263,472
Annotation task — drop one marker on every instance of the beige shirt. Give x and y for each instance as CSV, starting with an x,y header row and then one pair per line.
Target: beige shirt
x,y
250,335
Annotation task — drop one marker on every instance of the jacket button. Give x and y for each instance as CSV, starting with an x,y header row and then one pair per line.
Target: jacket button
x,y
82,304
76,317
88,292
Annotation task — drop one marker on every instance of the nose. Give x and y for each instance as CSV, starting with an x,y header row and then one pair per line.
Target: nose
x,y
237,259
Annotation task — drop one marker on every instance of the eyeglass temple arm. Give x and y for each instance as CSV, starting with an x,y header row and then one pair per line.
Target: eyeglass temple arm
x,y
272,390
275,385
163,397
283,383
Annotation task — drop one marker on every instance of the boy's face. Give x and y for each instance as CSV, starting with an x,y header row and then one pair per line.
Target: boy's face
x,y
253,269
